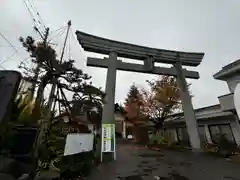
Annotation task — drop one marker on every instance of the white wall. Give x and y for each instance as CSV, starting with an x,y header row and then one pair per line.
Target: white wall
x,y
236,131
232,82
227,102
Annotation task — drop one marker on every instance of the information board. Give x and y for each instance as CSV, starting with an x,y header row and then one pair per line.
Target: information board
x,y
108,138
78,142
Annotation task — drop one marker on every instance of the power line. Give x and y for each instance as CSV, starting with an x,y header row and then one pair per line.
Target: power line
x,y
26,59
38,25
1,64
13,54
8,41
56,30
60,33
60,50
2,67
5,45
34,11
69,44
8,58
38,14
75,39
33,18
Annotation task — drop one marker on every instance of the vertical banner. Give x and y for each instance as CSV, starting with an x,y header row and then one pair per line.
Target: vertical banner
x,y
108,138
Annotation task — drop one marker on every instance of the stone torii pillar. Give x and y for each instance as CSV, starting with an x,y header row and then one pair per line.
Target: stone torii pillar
x,y
124,127
188,110
108,117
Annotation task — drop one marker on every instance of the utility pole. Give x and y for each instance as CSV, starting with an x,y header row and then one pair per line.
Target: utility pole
x,y
37,70
54,81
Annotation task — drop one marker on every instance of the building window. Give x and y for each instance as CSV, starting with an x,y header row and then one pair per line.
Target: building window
x,y
217,130
202,134
161,133
183,135
179,134
226,130
168,134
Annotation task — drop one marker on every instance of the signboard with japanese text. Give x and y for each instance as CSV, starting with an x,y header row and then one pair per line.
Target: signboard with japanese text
x,y
108,138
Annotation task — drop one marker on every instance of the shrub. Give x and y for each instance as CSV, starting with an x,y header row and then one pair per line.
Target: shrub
x,y
211,148
159,140
222,146
77,165
225,144
156,139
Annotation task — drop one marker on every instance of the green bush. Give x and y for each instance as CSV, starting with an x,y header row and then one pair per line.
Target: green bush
x,y
77,165
222,146
156,139
161,140
167,142
211,148
225,144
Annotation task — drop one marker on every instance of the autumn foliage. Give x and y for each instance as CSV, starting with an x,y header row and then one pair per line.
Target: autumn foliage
x,y
155,104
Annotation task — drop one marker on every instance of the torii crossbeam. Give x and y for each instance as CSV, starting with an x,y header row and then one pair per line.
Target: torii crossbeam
x,y
117,49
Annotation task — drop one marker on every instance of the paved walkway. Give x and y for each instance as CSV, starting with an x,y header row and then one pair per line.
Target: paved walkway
x,y
138,163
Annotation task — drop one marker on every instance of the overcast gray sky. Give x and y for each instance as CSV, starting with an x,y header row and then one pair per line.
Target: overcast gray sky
x,y
210,26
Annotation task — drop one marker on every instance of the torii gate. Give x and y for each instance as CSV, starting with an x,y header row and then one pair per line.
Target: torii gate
x,y
117,49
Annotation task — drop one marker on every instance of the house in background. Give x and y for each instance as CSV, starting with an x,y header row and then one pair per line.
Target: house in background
x,y
123,127
212,120
136,125
84,124
80,123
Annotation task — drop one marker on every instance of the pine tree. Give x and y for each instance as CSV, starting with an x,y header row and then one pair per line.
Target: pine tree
x,y
133,102
133,94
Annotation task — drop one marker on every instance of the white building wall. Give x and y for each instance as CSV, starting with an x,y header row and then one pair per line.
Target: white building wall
x,y
236,131
232,82
206,123
226,102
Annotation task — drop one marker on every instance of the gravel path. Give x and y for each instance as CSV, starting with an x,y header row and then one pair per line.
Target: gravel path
x,y
139,163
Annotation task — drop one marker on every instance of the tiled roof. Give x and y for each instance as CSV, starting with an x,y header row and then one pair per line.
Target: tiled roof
x,y
199,110
201,113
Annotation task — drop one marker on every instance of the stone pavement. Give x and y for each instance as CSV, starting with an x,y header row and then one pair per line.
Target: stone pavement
x,y
139,163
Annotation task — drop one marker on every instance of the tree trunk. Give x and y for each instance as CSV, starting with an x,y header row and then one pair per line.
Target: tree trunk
x,y
36,112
